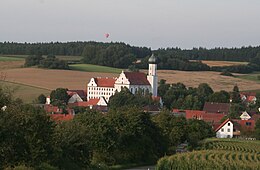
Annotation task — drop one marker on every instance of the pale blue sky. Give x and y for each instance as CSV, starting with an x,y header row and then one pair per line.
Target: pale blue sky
x,y
151,23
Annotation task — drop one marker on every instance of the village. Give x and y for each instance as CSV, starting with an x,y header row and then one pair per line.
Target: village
x,y
99,90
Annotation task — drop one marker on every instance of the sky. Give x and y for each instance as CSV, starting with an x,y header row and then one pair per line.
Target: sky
x,y
151,23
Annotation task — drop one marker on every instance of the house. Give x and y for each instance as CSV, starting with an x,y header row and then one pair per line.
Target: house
x,y
225,129
74,97
222,108
212,118
248,97
96,103
134,81
82,94
245,116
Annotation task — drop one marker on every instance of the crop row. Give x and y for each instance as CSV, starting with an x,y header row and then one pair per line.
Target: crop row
x,y
211,159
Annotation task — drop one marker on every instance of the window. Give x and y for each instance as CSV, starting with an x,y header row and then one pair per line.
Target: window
x,y
248,123
228,124
222,130
228,136
228,130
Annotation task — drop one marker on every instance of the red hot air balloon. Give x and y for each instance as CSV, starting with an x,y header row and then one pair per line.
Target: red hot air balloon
x,y
106,35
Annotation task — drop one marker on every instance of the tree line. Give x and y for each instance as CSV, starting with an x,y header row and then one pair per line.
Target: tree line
x,y
121,55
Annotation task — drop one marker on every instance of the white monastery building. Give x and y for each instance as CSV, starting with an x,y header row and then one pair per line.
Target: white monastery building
x,y
134,81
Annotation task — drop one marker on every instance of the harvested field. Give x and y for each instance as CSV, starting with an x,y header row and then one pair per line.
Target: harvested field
x,y
214,79
52,79
11,64
222,63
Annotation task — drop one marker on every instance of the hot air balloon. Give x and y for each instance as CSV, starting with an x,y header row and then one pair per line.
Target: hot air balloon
x,y
106,35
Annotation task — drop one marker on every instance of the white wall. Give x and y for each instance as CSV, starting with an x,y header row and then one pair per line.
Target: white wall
x,y
226,131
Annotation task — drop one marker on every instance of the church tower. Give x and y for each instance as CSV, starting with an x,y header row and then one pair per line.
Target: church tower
x,y
152,74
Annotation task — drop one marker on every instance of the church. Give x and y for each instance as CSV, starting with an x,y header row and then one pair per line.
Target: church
x,y
106,87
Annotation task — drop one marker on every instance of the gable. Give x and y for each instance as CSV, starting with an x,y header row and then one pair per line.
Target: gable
x,y
245,116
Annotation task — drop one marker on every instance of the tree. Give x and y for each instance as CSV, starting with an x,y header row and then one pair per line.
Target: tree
x,y
204,90
235,95
27,136
59,95
172,128
220,97
257,129
42,99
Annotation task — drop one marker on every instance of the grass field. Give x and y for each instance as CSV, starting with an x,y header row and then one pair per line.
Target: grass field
x,y
25,92
222,63
217,154
252,76
94,68
2,58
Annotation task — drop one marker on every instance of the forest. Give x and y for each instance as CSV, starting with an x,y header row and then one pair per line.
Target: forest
x,y
121,55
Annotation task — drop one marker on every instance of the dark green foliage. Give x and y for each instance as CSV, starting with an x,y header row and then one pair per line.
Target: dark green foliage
x,y
41,99
198,130
235,95
26,136
178,96
59,96
33,60
126,98
73,142
50,62
220,97
257,130
173,129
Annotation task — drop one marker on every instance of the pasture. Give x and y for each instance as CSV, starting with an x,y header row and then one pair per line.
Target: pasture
x,y
25,92
94,68
220,154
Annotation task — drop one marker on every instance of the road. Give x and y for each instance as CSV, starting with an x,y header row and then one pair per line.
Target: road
x,y
152,167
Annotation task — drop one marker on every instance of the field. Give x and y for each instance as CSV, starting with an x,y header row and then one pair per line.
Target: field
x,y
219,154
214,79
252,77
13,71
24,92
94,68
222,63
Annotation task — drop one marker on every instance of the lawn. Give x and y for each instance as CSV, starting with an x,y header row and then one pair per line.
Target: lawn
x,y
94,68
25,92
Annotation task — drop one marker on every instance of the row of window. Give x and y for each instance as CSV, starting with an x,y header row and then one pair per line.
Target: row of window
x,y
100,88
101,93
222,130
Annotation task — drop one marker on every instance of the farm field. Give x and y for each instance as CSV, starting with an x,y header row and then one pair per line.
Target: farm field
x,y
24,92
221,63
219,154
94,68
214,79
51,79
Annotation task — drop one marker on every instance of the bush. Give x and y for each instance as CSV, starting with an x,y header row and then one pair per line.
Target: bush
x,y
226,73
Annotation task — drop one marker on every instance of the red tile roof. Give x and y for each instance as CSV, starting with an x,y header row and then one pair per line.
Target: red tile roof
x,y
221,125
105,82
214,118
91,102
61,117
137,78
